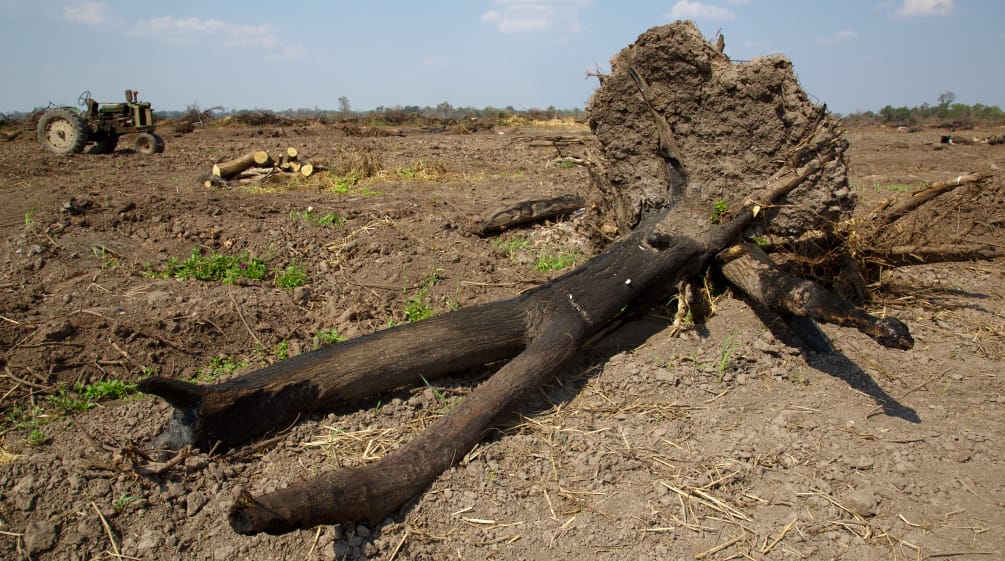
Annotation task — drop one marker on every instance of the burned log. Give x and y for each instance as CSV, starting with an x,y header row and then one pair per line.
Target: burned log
x,y
525,212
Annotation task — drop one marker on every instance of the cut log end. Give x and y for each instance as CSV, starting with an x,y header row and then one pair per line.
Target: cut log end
x,y
248,517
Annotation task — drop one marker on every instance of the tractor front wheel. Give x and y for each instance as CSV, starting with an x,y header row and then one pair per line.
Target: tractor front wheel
x,y
62,132
147,143
104,144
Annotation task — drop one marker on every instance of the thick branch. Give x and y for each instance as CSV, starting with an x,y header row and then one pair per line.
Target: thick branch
x,y
374,491
884,216
232,412
900,255
754,273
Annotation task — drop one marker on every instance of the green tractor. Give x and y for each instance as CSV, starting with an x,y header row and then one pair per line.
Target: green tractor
x,y
68,130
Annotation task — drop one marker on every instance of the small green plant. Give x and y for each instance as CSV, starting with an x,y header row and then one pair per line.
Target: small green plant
x,y
327,220
215,267
120,503
416,308
565,164
327,337
440,398
37,437
66,403
347,184
728,346
28,215
21,417
718,210
219,366
512,246
85,396
291,277
421,170
761,241
110,389
103,254
282,350
896,187
547,262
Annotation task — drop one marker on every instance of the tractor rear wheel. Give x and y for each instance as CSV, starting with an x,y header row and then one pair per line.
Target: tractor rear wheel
x,y
147,143
61,131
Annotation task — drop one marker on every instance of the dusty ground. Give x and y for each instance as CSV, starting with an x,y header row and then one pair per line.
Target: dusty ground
x,y
722,444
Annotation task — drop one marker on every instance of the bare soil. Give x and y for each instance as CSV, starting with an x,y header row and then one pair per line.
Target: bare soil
x,y
721,443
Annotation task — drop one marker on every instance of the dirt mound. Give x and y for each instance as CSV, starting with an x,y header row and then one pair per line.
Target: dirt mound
x,y
734,124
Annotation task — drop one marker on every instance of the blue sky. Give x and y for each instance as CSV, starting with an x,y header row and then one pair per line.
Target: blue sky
x,y
853,54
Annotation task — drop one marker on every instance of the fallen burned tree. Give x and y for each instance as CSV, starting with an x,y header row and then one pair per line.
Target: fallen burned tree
x,y
696,154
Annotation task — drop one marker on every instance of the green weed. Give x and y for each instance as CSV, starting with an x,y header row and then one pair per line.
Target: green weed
x,y
28,215
291,277
215,267
329,337
761,241
83,397
67,403
20,417
896,187
417,307
512,246
120,503
328,220
445,404
282,350
565,164
421,170
547,262
37,437
103,254
347,184
718,209
728,346
219,366
111,389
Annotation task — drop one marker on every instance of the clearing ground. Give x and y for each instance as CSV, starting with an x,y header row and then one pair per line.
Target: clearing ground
x,y
713,444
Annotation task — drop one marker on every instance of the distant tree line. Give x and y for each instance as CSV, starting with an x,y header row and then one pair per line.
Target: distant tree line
x,y
397,115
945,113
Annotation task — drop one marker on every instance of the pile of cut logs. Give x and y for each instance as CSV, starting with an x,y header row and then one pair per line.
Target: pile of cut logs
x,y
259,166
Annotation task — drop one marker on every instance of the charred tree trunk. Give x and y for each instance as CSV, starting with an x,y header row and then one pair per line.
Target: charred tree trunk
x,y
542,328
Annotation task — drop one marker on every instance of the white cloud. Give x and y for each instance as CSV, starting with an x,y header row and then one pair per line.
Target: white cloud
x,y
911,8
90,13
186,31
696,10
838,37
535,16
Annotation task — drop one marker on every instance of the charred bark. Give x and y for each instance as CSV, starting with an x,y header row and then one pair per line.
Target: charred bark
x,y
525,212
